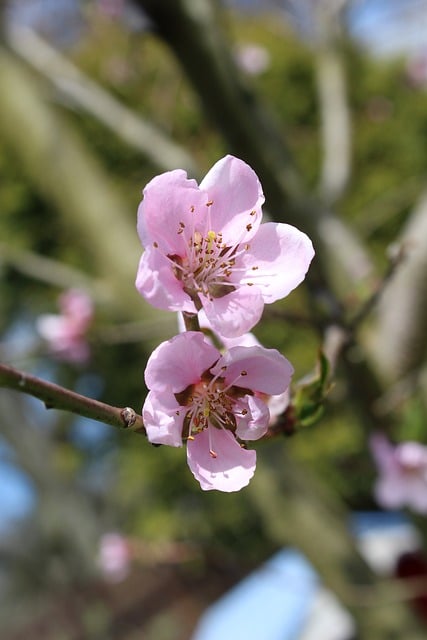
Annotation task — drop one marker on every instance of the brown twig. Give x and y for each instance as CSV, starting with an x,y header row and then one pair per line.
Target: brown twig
x,y
56,397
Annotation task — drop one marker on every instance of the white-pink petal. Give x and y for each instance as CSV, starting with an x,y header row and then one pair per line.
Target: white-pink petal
x,y
281,256
179,362
236,313
245,340
235,191
254,424
266,370
168,200
230,471
156,281
163,419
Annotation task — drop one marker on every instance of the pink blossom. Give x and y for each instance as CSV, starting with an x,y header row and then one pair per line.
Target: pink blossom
x,y
277,403
252,58
111,8
402,470
114,556
205,247
66,333
214,402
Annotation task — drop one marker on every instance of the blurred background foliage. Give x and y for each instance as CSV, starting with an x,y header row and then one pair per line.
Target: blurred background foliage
x,y
88,478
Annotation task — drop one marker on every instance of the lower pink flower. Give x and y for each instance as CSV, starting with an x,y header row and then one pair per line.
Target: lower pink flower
x,y
402,470
215,402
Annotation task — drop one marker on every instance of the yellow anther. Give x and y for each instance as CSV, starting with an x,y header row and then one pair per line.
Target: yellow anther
x,y
210,238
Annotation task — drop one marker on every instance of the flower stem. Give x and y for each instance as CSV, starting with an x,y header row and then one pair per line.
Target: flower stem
x,y
191,321
57,397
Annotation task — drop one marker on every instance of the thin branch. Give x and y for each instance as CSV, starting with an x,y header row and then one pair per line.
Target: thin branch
x,y
336,126
50,271
400,338
56,397
97,101
396,258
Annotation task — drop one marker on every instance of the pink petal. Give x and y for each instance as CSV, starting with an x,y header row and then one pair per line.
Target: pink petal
x,y
255,423
417,494
278,404
235,191
266,370
156,282
236,313
390,492
282,255
245,340
168,201
383,452
53,328
179,362
162,423
231,470
412,455
78,305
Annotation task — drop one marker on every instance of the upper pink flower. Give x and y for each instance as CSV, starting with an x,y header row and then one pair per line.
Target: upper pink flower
x,y
214,402
66,333
403,474
205,247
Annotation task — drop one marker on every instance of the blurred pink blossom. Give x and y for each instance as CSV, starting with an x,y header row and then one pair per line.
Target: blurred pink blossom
x,y
111,8
114,557
215,402
402,470
416,69
253,59
66,333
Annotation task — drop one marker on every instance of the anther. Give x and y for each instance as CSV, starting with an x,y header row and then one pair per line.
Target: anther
x,y
248,227
213,454
155,245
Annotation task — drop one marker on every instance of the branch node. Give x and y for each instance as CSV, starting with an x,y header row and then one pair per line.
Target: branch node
x,y
129,417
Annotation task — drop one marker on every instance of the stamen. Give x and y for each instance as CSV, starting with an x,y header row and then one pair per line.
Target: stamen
x,y
231,384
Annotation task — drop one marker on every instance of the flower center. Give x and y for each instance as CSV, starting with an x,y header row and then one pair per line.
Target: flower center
x,y
207,265
212,402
